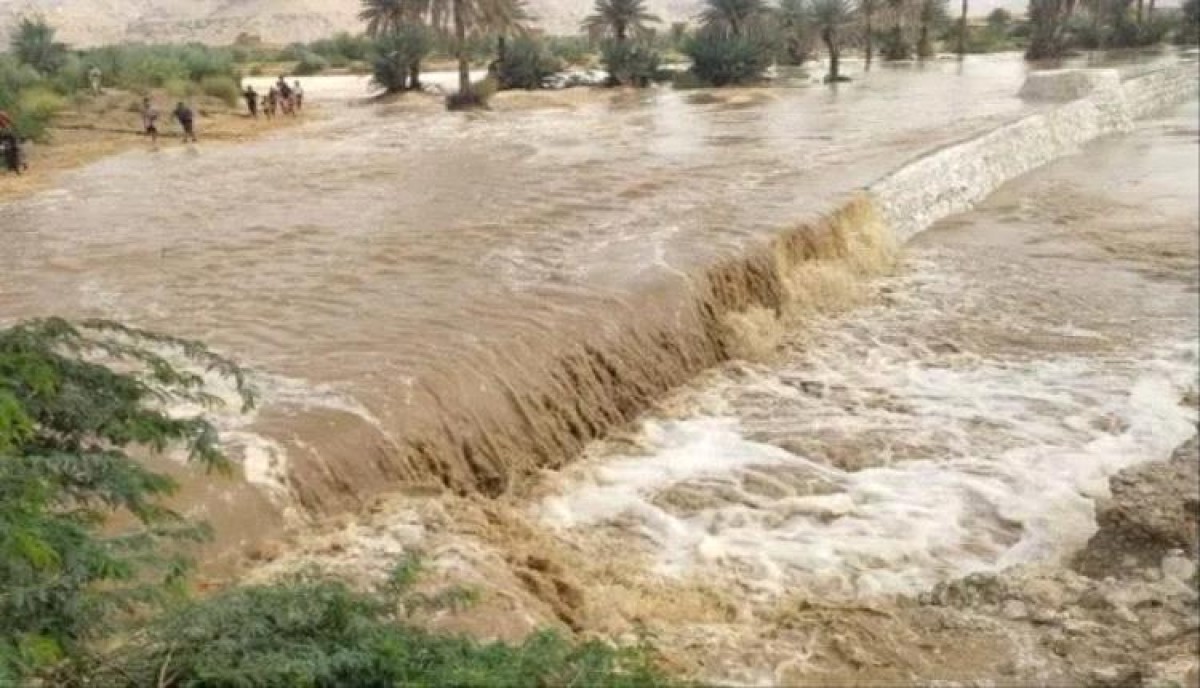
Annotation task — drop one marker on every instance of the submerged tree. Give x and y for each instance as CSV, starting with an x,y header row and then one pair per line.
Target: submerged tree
x,y
76,402
463,19
867,10
962,30
897,46
401,41
932,13
796,30
734,18
832,18
1047,28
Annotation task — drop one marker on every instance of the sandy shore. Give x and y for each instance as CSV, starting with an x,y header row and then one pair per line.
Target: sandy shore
x,y
110,124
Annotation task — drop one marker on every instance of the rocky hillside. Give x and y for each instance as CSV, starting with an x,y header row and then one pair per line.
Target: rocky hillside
x,y
91,22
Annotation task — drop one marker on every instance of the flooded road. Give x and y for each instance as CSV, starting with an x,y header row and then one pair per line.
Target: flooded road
x,y
397,272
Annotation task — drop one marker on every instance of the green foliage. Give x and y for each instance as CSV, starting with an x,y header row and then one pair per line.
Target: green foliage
x,y
571,50
1188,30
139,67
396,57
619,20
737,18
310,63
720,59
16,80
526,64
310,630
630,63
32,42
797,32
74,401
223,88
35,109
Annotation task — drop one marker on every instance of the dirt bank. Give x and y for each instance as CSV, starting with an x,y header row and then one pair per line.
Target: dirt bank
x,y
95,128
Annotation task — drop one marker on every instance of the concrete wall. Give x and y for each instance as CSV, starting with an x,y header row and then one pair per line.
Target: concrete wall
x,y
955,178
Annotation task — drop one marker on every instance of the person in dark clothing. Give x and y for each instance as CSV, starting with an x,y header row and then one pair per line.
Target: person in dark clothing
x,y
187,120
251,97
10,145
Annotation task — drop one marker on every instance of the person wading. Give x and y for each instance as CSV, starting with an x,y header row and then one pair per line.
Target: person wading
x,y
187,120
251,97
150,121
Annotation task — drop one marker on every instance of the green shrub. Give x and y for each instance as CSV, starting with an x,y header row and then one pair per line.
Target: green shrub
x,y
222,88
179,89
572,50
310,630
310,63
36,108
67,571
630,63
526,64
726,60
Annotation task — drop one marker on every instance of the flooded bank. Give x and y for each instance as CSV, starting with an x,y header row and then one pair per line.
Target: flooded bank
x,y
439,300
897,496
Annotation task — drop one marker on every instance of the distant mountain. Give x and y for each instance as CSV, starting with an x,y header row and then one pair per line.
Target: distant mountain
x,y
90,22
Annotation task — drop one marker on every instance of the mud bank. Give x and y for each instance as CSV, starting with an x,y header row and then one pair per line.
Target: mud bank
x,y
490,425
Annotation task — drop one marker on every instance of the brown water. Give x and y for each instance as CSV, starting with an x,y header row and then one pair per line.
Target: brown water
x,y
436,297
773,522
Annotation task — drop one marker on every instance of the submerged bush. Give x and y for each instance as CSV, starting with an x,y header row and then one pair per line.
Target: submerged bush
x,y
726,60
526,64
310,63
630,63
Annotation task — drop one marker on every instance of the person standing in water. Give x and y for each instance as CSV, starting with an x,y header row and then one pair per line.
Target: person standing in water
x,y
251,97
187,120
298,95
95,79
150,120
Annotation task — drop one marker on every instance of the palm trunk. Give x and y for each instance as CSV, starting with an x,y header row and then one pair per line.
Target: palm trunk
x,y
962,30
414,75
870,43
501,48
460,47
1140,10
1150,11
924,48
831,45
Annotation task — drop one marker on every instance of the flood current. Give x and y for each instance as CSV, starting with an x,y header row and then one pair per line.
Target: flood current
x,y
434,300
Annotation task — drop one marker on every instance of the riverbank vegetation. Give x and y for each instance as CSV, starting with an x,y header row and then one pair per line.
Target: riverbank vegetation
x,y
94,566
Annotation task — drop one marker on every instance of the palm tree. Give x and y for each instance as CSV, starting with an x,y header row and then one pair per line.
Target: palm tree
x,y
897,47
796,25
866,9
383,17
33,43
463,18
1047,24
932,12
731,17
832,17
618,19
389,19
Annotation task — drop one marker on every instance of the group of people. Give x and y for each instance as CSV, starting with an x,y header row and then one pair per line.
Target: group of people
x,y
282,98
182,114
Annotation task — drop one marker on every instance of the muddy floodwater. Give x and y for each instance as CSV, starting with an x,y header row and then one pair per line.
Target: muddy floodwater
x,y
398,275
